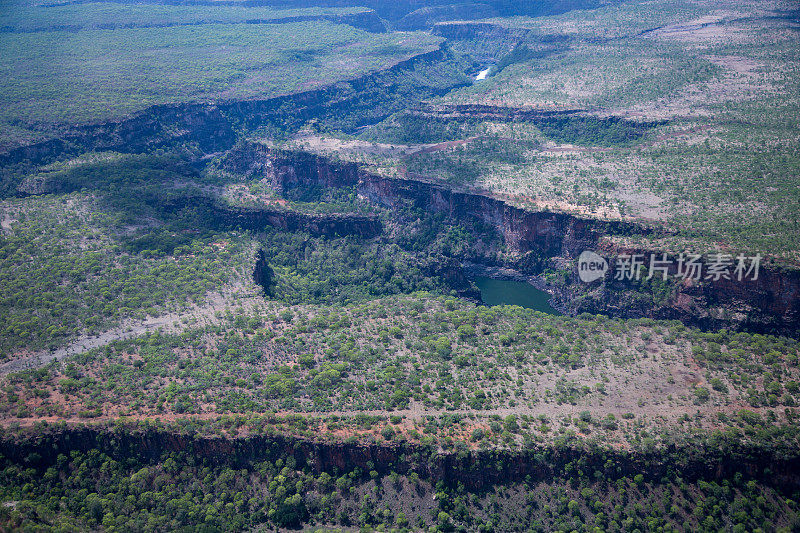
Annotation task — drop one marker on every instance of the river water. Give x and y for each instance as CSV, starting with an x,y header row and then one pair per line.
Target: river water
x,y
482,74
505,292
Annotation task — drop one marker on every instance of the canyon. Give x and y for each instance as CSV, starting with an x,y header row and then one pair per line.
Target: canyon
x,y
537,241
260,307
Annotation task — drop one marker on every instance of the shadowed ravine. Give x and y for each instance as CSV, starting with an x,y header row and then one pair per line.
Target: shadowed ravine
x,y
769,304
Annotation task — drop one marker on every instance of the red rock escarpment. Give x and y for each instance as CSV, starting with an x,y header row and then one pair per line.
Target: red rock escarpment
x,y
538,240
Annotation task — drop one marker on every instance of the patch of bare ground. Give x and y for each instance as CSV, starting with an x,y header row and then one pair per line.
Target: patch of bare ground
x,y
323,144
705,29
244,296
742,78
369,152
6,220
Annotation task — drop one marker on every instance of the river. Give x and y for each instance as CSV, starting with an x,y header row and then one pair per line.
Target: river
x,y
482,74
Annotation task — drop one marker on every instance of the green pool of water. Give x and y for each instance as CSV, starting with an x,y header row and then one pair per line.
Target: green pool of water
x,y
502,292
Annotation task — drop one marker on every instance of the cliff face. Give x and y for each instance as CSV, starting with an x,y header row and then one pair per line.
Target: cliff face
x,y
222,215
481,31
770,303
544,463
543,233
286,170
425,17
537,240
201,128
211,128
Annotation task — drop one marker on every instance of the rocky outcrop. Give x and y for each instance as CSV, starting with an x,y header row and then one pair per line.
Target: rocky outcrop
x,y
689,461
462,30
424,18
222,215
263,274
285,170
540,240
768,304
201,129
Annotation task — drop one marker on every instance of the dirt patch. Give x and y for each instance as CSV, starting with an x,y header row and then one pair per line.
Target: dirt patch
x,y
169,323
6,220
702,29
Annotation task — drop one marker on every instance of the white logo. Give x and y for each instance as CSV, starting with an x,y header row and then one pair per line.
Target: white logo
x,y
591,266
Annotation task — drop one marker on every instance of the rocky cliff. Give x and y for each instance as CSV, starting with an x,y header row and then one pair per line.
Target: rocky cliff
x,y
538,241
197,130
690,462
220,214
424,18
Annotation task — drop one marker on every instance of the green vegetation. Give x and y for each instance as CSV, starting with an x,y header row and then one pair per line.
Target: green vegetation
x,y
437,353
413,128
140,240
344,270
60,77
64,275
18,17
114,487
723,97
196,335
